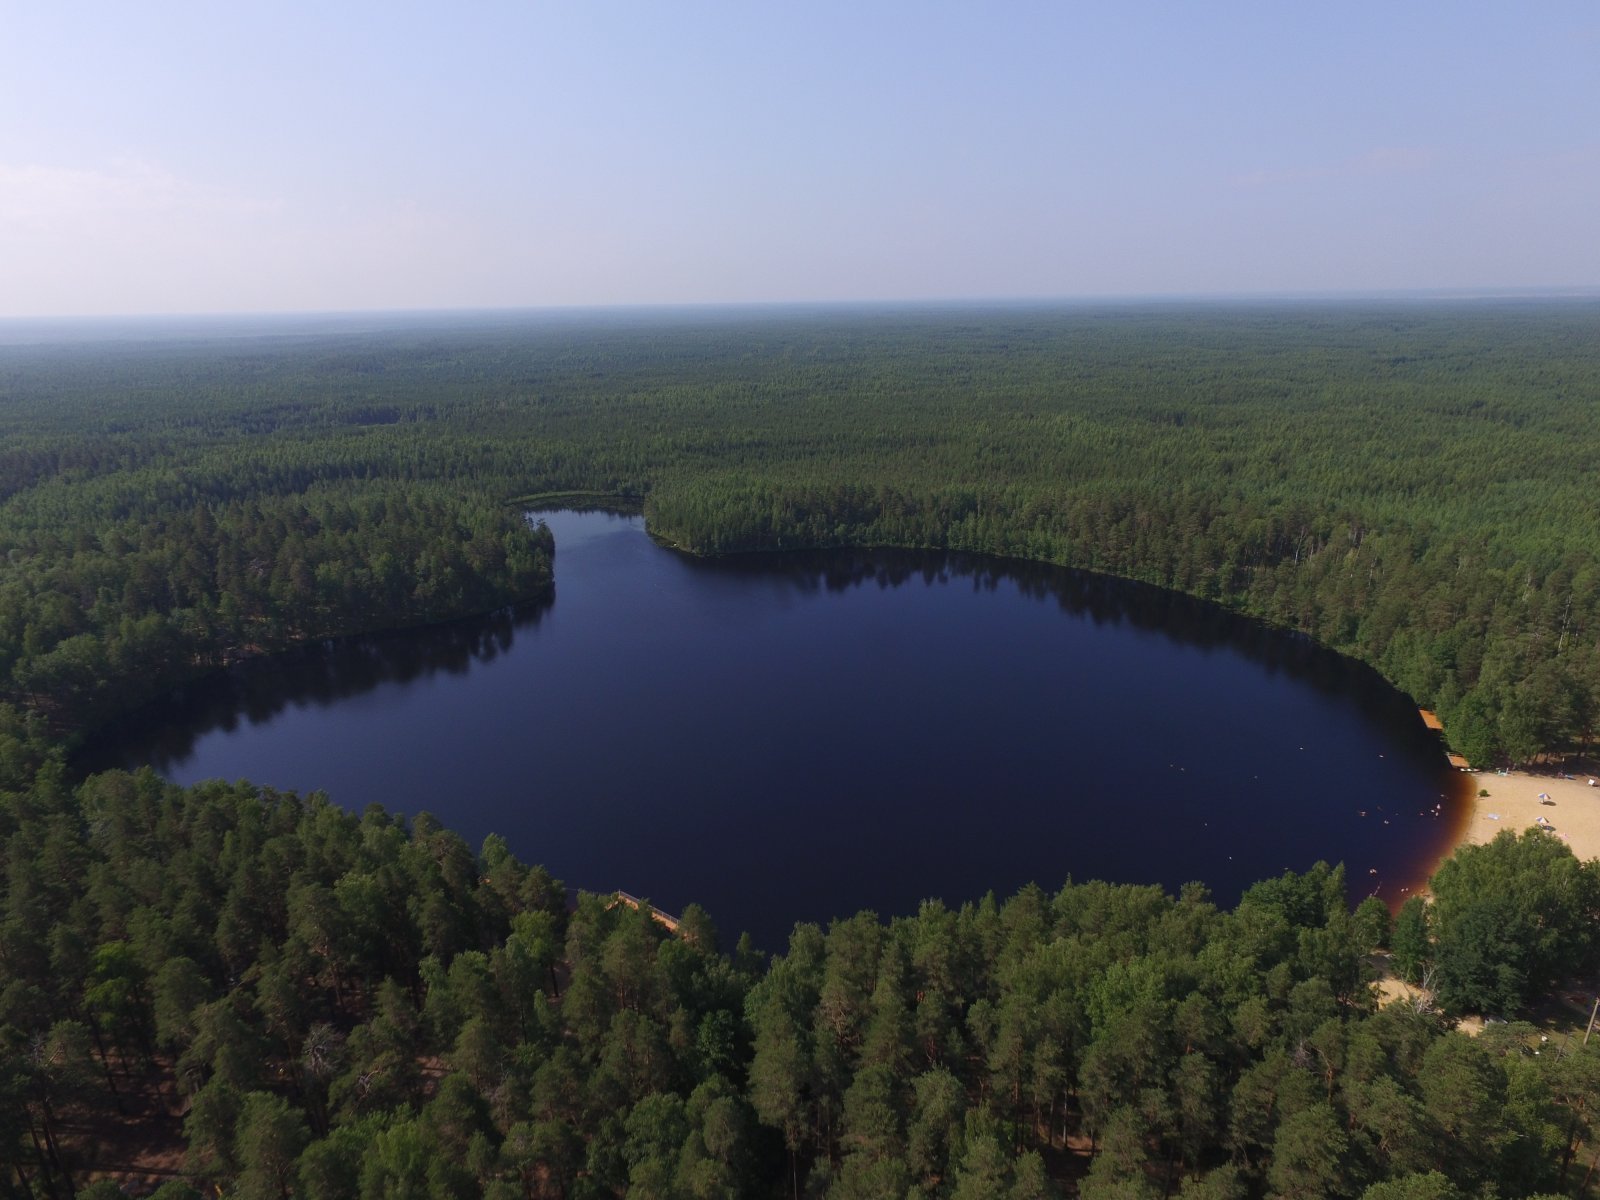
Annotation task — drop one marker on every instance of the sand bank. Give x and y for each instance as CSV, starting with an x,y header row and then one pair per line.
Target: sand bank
x,y
1516,801
1513,802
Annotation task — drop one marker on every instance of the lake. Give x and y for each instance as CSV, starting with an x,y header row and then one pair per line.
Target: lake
x,y
800,736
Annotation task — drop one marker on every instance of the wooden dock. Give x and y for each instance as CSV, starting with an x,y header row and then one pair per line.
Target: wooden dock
x,y
1431,720
665,919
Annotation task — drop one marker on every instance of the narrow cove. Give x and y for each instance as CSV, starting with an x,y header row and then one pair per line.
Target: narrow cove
x,y
796,737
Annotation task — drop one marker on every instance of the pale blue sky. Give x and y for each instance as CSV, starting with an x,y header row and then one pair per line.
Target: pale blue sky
x,y
241,157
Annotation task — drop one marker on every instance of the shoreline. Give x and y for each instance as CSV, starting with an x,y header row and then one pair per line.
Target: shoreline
x,y
1571,810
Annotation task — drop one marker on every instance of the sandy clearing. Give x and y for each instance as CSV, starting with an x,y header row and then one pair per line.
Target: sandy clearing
x,y
1572,809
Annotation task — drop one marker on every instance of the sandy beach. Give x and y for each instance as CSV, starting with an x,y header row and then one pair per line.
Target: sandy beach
x,y
1513,802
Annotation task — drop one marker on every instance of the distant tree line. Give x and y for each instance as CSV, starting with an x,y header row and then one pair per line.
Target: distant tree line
x,y
343,1006
1412,485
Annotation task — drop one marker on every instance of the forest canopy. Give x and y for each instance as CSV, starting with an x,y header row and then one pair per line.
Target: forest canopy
x,y
264,995
1410,484
269,996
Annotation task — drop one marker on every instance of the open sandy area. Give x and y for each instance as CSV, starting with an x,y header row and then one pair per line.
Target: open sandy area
x,y
1516,801
1513,802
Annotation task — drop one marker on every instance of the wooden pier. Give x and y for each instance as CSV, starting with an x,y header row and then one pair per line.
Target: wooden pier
x,y
665,919
1431,720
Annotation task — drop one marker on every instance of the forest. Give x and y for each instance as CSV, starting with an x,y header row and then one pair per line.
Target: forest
x,y
226,990
1412,485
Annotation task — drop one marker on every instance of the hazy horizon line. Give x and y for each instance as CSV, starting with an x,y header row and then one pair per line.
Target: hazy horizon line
x,y
1107,300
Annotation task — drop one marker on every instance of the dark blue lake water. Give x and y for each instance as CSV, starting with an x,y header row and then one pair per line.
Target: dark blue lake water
x,y
796,737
